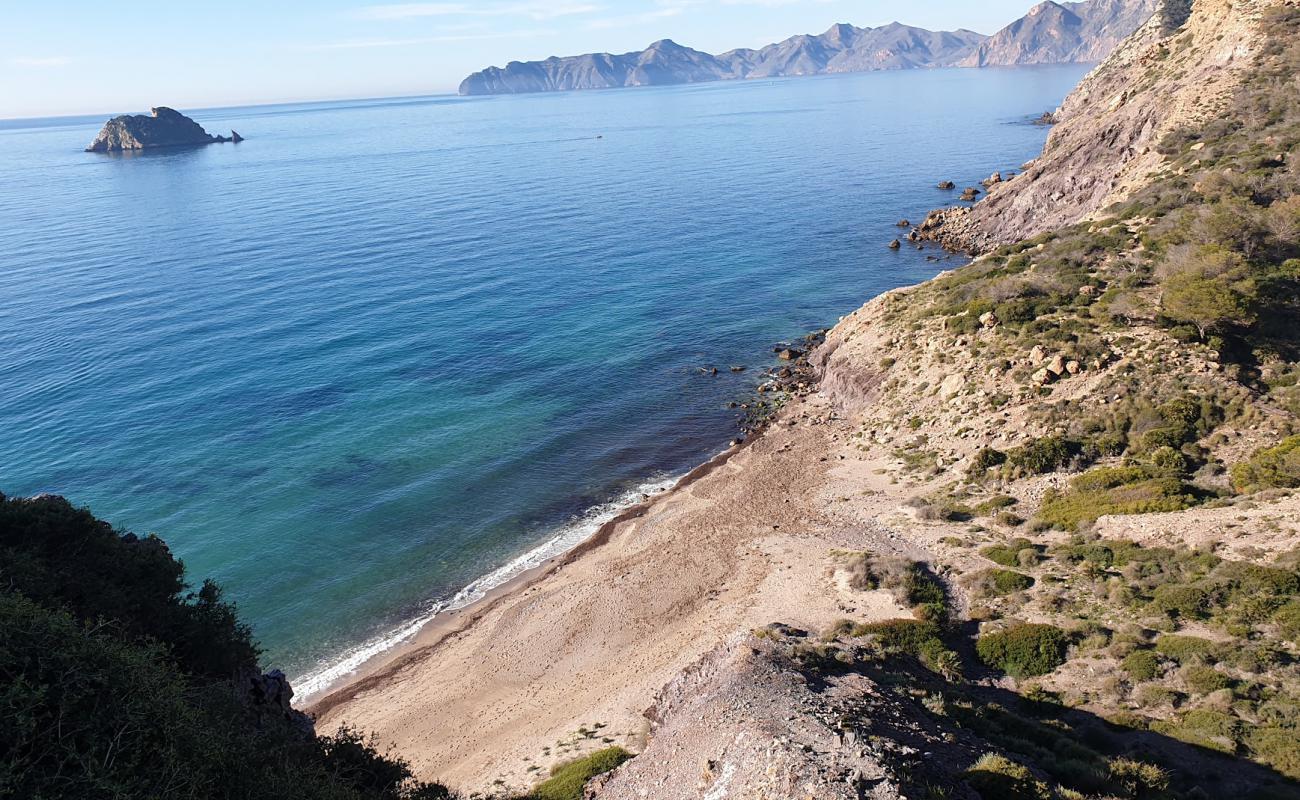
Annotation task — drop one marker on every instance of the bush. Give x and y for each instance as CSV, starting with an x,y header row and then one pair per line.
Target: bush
x,y
1275,467
1008,555
1185,649
1007,582
1205,728
1093,496
919,638
985,460
1287,618
1138,779
1141,665
997,777
1023,650
1277,747
1044,455
1176,600
567,780
1205,680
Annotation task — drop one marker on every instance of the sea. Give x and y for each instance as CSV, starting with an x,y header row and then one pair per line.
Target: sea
x,y
385,354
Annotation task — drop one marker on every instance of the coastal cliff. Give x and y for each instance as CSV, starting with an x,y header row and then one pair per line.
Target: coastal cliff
x,y
1033,534
1173,72
1051,34
164,127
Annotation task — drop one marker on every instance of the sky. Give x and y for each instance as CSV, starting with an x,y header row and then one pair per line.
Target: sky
x,y
62,57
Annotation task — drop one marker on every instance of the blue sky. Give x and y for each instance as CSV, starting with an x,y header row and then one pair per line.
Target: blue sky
x,y
90,56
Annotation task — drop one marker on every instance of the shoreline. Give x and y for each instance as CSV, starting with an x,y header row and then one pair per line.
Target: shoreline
x,y
434,628
425,630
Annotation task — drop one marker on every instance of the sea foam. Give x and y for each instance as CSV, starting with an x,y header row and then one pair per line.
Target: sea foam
x,y
330,672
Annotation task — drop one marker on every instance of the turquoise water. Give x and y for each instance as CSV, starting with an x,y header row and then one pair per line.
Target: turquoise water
x,y
383,348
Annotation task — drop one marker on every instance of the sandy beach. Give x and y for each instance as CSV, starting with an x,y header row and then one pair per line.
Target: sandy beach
x,y
566,659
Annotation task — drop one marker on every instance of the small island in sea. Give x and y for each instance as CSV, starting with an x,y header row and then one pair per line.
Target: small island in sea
x,y
163,127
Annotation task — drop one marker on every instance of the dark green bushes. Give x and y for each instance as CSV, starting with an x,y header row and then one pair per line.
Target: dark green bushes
x,y
1010,554
1141,665
1044,455
1024,650
117,682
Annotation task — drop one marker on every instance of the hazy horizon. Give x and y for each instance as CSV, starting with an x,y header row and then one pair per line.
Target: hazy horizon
x,y
241,53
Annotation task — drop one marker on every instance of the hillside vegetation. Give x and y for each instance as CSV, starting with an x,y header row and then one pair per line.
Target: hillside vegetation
x,y
120,681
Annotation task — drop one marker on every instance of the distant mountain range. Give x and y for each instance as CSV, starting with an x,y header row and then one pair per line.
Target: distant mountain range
x,y
1052,33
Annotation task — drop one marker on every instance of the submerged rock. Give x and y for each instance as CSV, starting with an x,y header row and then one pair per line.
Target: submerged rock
x,y
165,127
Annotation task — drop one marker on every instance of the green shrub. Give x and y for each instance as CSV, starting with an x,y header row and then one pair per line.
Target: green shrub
x,y
1008,555
1275,467
1007,582
567,780
1141,665
1205,728
985,460
1184,649
919,638
996,777
901,635
1044,455
1093,496
1277,747
1176,600
1205,680
994,504
1138,779
1287,618
1023,650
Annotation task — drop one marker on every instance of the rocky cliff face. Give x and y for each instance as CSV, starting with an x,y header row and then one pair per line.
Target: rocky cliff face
x,y
1052,34
1105,148
1061,33
165,127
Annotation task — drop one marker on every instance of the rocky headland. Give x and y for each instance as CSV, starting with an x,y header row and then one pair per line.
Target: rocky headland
x,y
163,127
1052,33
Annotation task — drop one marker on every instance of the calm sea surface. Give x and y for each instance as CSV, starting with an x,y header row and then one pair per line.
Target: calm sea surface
x,y
383,348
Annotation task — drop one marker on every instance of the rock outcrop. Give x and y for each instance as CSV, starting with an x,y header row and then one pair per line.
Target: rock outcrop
x,y
745,722
1053,34
1062,33
165,127
1104,147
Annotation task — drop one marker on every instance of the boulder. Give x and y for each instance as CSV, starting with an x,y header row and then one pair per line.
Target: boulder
x,y
970,193
164,128
947,185
902,223
989,320
1073,367
993,180
895,245
1056,366
1042,377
